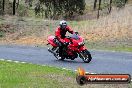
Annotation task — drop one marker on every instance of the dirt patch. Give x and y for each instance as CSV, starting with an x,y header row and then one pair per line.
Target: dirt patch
x,y
32,40
114,29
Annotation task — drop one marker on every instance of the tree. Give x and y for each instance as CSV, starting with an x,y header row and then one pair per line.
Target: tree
x,y
65,8
110,6
99,9
29,2
0,7
120,3
3,5
126,1
14,7
17,3
95,2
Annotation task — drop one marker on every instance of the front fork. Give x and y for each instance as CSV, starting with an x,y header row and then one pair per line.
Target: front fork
x,y
80,51
81,48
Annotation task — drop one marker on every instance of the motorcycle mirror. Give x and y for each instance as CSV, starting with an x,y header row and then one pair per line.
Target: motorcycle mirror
x,y
76,33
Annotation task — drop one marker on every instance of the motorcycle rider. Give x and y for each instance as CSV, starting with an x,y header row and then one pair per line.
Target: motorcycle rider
x,y
60,34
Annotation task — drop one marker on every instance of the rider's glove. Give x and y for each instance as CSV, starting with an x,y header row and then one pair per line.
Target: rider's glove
x,y
66,43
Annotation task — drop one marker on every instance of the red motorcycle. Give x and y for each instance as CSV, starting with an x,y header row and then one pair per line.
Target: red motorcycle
x,y
74,48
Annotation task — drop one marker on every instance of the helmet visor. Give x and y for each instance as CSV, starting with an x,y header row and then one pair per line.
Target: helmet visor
x,y
64,26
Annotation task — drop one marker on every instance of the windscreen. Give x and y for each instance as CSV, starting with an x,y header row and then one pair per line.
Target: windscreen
x,y
74,36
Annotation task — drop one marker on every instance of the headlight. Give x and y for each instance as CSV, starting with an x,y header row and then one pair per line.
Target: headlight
x,y
81,43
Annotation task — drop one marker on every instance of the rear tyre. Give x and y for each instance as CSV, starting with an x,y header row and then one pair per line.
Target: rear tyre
x,y
86,56
59,58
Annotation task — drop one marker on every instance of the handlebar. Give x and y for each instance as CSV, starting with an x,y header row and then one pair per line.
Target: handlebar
x,y
68,37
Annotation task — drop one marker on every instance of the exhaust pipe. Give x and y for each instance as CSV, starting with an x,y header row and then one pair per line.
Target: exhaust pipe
x,y
51,51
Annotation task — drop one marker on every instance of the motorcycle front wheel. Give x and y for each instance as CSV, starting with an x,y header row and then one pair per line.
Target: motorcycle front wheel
x,y
86,56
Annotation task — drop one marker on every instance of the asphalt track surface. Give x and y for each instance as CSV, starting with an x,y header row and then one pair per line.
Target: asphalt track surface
x,y
102,62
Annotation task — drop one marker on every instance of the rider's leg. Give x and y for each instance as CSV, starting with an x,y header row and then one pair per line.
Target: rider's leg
x,y
60,50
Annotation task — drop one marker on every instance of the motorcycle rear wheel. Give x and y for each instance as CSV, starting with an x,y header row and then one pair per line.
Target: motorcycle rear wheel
x,y
57,55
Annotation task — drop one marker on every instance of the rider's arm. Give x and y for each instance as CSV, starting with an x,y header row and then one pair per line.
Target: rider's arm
x,y
70,30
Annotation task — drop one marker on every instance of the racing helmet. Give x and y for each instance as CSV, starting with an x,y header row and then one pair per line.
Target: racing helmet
x,y
63,24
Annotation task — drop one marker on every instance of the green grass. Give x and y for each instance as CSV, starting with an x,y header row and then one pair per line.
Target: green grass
x,y
120,48
99,46
18,75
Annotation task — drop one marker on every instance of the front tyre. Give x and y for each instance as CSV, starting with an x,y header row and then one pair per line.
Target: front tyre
x,y
86,56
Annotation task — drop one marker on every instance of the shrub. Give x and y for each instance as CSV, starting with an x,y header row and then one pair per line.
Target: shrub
x,y
119,3
2,34
22,11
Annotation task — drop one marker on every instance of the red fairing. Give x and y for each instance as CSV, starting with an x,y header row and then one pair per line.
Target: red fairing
x,y
82,48
74,45
50,40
